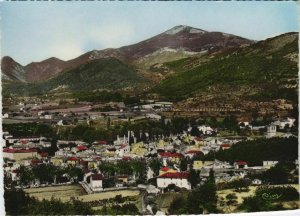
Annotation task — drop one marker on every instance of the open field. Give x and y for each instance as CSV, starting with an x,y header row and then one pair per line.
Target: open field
x,y
241,195
107,195
62,192
66,192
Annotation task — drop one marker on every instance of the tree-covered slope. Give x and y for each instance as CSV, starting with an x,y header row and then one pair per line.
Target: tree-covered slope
x,y
98,74
270,66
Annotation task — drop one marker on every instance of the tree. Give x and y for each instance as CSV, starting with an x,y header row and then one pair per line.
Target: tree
x,y
194,178
204,198
178,206
231,200
183,164
155,165
240,185
195,131
16,202
276,175
26,175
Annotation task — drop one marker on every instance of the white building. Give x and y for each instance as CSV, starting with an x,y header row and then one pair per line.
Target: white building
x,y
269,164
282,123
271,130
94,181
205,129
180,179
5,115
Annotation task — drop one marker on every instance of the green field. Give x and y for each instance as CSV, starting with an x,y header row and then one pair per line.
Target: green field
x,y
66,192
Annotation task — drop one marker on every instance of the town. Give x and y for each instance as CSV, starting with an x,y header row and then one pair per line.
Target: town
x,y
137,156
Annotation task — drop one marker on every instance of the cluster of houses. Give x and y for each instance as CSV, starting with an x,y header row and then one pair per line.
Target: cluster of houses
x,y
171,150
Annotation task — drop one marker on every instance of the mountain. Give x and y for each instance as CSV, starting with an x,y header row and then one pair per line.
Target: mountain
x,y
263,71
99,74
11,70
175,43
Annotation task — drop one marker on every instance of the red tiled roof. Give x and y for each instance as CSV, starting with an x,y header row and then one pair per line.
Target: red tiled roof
x,y
7,150
100,142
96,176
169,154
225,145
82,148
126,158
73,158
35,162
194,152
165,169
241,162
181,175
43,154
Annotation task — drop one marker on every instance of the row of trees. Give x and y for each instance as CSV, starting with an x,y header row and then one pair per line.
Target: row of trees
x,y
47,173
136,168
17,202
257,151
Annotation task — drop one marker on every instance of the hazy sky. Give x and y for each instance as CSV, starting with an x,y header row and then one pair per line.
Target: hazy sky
x,y
34,31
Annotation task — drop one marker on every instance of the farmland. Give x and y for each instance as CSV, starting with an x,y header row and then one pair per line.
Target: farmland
x,y
66,192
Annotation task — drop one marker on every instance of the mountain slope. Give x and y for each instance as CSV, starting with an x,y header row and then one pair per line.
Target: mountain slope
x,y
97,74
179,39
11,70
265,70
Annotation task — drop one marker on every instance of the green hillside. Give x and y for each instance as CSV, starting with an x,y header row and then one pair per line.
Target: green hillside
x,y
270,66
98,74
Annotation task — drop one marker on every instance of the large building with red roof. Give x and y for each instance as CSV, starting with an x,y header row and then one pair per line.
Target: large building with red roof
x,y
19,154
180,179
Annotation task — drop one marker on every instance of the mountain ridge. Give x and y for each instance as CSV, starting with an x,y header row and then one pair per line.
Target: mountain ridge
x,y
183,37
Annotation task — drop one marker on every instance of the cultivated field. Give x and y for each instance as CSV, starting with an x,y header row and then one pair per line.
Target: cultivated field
x,y
66,192
61,192
107,195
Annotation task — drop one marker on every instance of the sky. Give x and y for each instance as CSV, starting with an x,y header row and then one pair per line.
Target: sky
x,y
34,31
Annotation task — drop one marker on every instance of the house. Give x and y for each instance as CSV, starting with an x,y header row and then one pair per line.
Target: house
x,y
269,164
164,170
244,122
81,148
5,115
225,146
57,161
197,165
138,149
240,165
256,182
193,153
221,165
271,131
123,179
207,130
100,142
282,123
19,154
123,149
173,157
180,179
93,181
73,161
